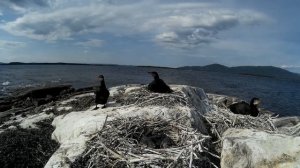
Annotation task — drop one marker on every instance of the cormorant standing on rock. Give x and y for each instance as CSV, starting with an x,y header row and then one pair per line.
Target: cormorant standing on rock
x,y
102,93
246,109
158,85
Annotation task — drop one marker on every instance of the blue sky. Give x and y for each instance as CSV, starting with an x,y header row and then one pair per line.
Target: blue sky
x,y
151,32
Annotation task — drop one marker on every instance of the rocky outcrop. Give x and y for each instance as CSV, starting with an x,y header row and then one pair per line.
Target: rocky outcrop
x,y
34,97
246,148
237,140
240,148
73,130
27,99
244,141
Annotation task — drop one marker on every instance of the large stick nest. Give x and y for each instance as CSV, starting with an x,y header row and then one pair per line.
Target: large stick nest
x,y
140,142
220,119
142,97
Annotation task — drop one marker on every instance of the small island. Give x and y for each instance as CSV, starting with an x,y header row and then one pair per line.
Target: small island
x,y
149,84
59,127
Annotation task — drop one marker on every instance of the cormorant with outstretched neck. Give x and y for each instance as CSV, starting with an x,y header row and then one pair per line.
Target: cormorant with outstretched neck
x,y
102,93
245,108
158,85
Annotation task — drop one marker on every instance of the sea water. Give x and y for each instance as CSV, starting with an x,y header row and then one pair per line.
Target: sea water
x,y
277,95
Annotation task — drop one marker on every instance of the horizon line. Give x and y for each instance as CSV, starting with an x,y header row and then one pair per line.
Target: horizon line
x,y
112,64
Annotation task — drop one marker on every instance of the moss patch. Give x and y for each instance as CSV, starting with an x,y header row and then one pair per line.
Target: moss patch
x,y
27,147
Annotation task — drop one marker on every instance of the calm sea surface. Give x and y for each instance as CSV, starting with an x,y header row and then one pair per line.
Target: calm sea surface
x,y
279,96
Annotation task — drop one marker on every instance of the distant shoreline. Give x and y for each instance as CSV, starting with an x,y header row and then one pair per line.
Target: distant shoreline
x,y
86,64
258,71
57,63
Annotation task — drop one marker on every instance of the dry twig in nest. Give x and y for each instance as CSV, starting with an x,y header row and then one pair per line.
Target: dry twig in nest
x,y
142,97
222,119
140,142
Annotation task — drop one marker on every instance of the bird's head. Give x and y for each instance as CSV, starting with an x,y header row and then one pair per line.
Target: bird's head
x,y
154,74
255,101
101,77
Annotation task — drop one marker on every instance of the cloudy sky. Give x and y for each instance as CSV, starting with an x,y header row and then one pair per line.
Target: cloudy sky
x,y
151,32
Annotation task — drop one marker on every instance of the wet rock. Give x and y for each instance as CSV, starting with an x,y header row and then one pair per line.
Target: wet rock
x,y
86,89
43,91
5,107
34,96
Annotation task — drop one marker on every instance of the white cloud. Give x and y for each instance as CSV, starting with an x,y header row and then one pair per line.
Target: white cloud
x,y
180,24
24,6
90,43
63,23
289,66
25,3
193,29
10,44
167,37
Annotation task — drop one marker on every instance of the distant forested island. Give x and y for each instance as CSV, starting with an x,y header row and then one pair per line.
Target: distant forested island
x,y
263,71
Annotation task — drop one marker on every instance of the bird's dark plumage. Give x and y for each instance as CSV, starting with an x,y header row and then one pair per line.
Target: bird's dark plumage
x,y
102,92
245,108
158,85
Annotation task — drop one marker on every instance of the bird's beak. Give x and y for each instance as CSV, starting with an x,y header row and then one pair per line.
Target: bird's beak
x,y
257,102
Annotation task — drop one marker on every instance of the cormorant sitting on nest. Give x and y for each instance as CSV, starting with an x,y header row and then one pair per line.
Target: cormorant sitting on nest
x,y
102,93
246,109
158,85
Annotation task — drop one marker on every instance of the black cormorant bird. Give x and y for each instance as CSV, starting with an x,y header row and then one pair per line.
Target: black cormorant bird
x,y
245,108
158,85
102,93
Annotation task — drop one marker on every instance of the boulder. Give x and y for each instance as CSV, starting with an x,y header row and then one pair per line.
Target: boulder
x,y
246,148
286,121
288,125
